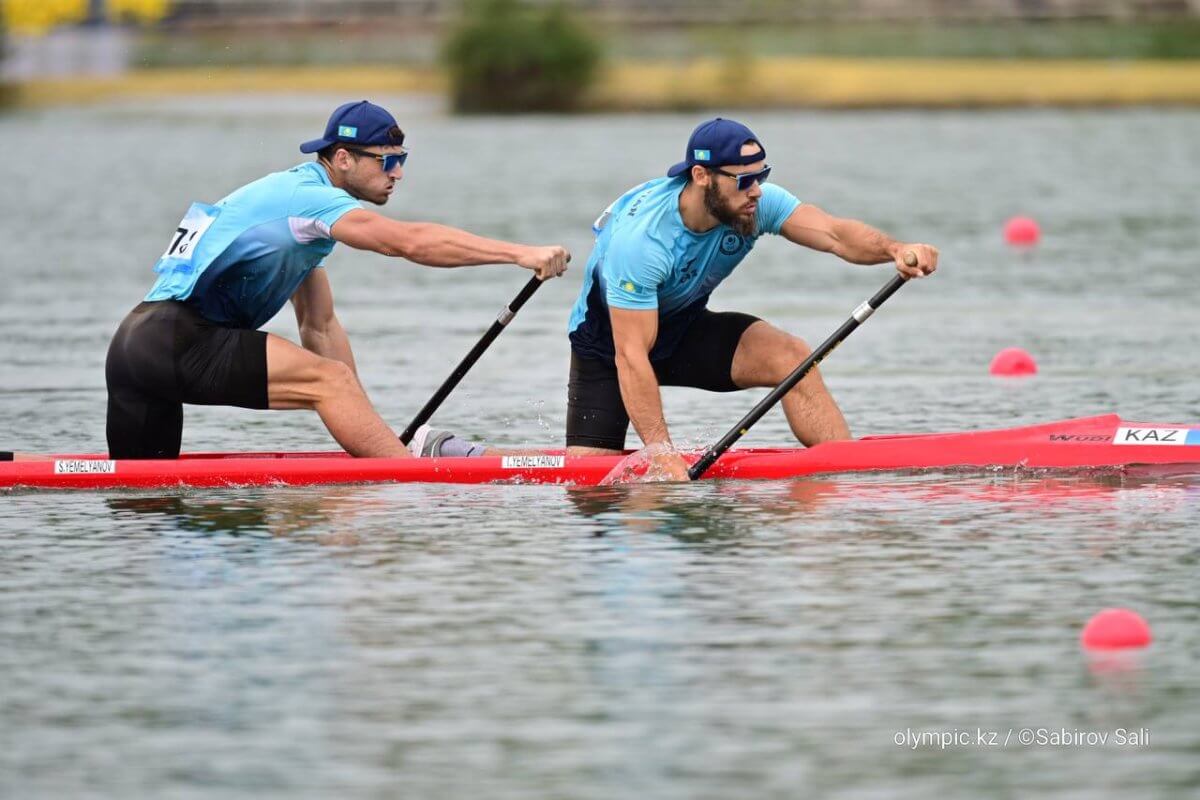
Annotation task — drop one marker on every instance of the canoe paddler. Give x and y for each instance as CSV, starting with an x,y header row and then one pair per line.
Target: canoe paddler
x,y
229,267
642,319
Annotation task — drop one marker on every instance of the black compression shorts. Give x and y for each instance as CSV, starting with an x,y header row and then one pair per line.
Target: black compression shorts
x,y
704,360
165,354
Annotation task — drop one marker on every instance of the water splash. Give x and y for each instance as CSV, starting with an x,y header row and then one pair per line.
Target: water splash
x,y
643,466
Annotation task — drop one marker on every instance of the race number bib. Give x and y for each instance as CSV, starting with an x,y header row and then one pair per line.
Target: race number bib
x,y
186,238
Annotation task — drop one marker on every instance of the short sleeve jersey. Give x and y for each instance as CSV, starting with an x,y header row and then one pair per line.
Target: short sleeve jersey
x,y
239,261
646,258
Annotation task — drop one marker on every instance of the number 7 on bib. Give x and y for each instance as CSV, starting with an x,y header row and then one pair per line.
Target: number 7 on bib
x,y
186,237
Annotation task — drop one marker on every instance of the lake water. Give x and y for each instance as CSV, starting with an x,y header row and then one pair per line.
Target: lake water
x,y
733,639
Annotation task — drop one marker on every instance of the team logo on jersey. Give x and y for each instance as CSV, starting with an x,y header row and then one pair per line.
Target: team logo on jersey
x,y
731,243
349,131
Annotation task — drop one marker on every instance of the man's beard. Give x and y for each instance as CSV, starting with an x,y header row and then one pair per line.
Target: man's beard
x,y
715,203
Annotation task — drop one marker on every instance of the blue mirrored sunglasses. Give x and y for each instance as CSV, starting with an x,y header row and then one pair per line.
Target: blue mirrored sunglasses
x,y
746,179
389,160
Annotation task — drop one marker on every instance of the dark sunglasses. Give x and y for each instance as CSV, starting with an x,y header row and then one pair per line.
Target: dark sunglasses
x,y
389,161
746,179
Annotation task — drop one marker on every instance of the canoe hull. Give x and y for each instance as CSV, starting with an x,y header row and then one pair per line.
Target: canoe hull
x,y
1087,443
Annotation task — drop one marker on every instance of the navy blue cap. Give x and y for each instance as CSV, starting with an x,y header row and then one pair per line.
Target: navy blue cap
x,y
716,143
360,123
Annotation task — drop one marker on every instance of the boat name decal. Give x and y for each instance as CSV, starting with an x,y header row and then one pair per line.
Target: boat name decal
x,y
84,466
532,462
1079,437
1158,436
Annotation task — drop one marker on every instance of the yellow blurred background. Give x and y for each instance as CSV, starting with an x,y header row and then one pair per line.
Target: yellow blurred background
x,y
664,54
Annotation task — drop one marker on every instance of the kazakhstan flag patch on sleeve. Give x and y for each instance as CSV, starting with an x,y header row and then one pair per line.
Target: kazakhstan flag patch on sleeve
x,y
632,291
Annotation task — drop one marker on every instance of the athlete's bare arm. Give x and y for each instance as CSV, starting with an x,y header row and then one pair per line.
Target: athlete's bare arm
x,y
442,246
321,332
854,241
634,333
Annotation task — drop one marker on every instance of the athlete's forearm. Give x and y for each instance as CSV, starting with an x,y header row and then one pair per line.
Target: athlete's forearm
x,y
642,398
442,246
859,243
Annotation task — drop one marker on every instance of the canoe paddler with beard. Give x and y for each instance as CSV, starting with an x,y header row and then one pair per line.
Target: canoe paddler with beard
x,y
642,319
230,267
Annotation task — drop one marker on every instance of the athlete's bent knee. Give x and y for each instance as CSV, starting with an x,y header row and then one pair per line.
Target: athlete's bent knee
x,y
799,347
335,379
788,357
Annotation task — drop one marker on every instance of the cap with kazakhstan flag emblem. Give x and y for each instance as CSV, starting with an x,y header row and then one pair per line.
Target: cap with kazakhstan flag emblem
x,y
716,143
361,123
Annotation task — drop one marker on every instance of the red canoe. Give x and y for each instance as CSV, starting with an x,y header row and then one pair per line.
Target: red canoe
x,y
1092,442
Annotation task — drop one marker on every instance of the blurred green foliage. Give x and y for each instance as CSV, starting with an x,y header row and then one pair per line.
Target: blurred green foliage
x,y
507,56
1087,39
1047,39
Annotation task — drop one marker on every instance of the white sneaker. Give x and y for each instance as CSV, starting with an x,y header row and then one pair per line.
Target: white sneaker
x,y
427,442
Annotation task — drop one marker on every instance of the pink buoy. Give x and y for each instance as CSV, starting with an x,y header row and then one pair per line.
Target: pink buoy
x,y
1022,231
1115,629
1013,361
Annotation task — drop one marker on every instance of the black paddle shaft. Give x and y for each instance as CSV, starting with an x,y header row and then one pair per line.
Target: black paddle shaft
x,y
859,316
469,360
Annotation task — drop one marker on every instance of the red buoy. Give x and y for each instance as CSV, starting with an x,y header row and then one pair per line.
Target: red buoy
x,y
1022,231
1013,361
1115,629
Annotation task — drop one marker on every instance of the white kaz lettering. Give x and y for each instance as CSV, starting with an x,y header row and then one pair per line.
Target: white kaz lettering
x,y
1154,436
532,462
84,466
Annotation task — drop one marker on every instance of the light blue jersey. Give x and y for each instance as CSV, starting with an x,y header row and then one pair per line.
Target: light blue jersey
x,y
239,262
646,258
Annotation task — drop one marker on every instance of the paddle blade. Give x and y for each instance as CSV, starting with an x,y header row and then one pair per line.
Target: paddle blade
x,y
643,466
629,469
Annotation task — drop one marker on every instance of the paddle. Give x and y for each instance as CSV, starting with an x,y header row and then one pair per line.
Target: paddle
x,y
506,315
857,318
